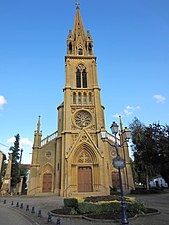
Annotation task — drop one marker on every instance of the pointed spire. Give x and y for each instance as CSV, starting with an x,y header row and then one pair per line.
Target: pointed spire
x,y
121,124
78,42
78,25
38,124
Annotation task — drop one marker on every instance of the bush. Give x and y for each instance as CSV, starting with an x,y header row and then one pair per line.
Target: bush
x,y
113,191
106,198
114,207
145,191
71,202
102,198
136,207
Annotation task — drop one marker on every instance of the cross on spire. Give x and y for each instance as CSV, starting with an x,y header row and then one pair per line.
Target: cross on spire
x,y
77,5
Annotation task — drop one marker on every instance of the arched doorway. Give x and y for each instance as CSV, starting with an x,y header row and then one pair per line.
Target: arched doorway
x,y
47,182
85,179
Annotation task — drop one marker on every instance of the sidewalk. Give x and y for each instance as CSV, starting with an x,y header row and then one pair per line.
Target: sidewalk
x,y
48,203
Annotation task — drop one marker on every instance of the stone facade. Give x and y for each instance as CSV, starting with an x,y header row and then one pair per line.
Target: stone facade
x,y
6,185
1,160
74,161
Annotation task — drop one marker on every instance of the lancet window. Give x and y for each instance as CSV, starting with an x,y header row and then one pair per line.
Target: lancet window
x,y
90,98
74,98
81,77
82,98
79,98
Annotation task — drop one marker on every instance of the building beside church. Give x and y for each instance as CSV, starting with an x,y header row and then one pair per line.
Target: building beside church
x,y
74,161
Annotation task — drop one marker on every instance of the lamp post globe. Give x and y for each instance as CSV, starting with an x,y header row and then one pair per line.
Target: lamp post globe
x,y
114,128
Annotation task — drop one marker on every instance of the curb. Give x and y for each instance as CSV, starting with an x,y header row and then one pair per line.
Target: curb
x,y
104,220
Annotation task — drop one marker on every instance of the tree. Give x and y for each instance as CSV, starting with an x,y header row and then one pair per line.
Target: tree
x,y
162,145
137,133
15,161
150,151
24,174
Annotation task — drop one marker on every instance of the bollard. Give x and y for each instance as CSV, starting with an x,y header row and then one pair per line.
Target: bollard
x,y
17,204
33,210
40,214
21,207
4,201
58,221
49,217
12,203
27,207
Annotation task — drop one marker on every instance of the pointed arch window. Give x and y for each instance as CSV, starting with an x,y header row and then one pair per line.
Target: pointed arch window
x,y
90,48
80,51
79,98
81,76
84,99
74,97
84,78
78,78
70,48
90,98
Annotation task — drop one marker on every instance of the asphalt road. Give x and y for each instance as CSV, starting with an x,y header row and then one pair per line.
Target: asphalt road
x,y
12,217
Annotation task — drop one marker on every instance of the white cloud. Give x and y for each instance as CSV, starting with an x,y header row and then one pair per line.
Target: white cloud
x,y
129,110
11,140
116,115
159,98
3,101
23,141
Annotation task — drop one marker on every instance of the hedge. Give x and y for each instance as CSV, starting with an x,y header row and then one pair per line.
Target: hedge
x,y
86,208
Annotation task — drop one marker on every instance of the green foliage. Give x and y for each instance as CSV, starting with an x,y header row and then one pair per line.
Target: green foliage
x,y
71,202
113,191
114,207
15,161
136,207
150,151
24,173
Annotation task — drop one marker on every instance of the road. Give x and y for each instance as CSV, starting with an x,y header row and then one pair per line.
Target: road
x,y
12,217
47,203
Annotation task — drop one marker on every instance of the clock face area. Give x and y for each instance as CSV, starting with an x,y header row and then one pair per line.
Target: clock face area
x,y
83,118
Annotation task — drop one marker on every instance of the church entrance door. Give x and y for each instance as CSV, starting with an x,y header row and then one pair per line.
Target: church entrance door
x,y
115,180
85,179
47,182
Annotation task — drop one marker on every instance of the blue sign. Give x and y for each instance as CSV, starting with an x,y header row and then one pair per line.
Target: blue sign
x,y
119,163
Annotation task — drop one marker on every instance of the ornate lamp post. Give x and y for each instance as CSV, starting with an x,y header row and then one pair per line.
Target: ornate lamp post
x,y
118,162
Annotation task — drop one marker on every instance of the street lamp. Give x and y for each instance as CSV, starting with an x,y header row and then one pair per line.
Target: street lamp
x,y
118,162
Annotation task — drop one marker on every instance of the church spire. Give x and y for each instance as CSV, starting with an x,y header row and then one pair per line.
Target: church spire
x,y
37,135
78,42
121,124
79,30
38,125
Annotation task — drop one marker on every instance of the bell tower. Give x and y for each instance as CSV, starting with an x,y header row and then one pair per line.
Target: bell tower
x,y
83,116
81,89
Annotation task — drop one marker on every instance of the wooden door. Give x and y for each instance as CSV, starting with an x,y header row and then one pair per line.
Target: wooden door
x,y
115,180
47,182
85,179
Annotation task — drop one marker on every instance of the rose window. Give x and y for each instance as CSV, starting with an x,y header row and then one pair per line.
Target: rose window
x,y
83,118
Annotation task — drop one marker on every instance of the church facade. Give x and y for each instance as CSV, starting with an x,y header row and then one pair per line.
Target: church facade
x,y
74,161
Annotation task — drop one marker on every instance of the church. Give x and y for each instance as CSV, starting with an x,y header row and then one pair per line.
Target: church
x,y
74,161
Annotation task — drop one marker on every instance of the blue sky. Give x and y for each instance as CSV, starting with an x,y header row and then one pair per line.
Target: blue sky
x,y
131,42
